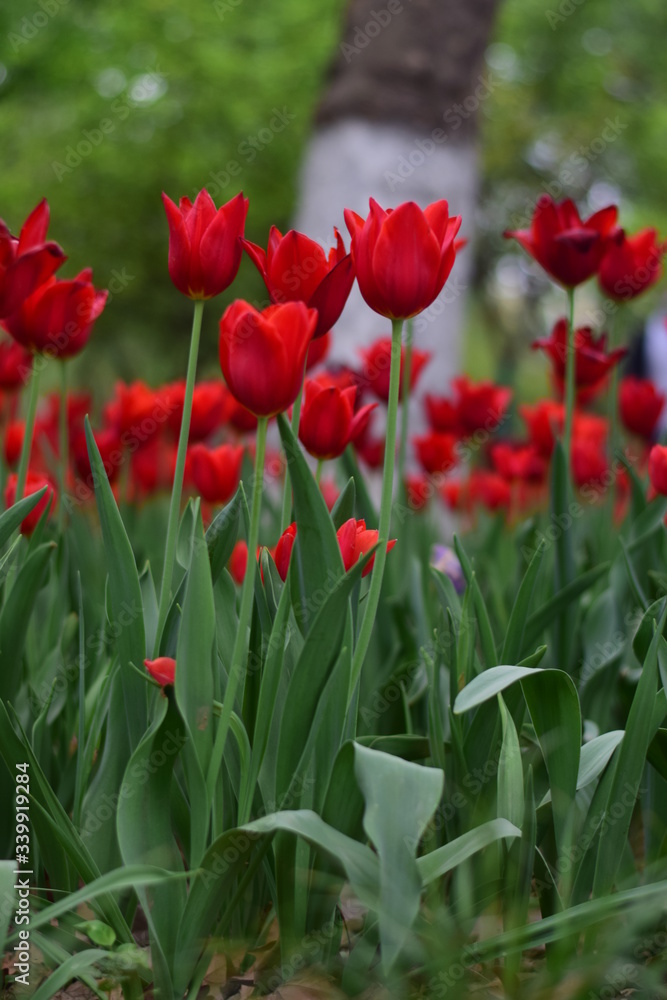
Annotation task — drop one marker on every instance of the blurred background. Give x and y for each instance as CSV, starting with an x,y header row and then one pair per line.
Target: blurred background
x,y
226,93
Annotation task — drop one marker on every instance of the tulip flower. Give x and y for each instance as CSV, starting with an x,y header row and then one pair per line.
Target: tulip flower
x,y
15,364
296,269
592,361
640,405
328,421
318,351
481,405
437,452
283,550
33,484
568,248
403,256
631,264
26,262
489,489
13,444
657,468
418,491
545,422
109,445
442,414
204,243
208,407
589,462
371,450
518,461
57,319
263,354
374,375
238,561
355,540
216,471
162,669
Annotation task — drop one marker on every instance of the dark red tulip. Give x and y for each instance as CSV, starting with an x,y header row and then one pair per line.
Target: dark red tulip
x,y
263,354
657,468
204,243
237,416
297,269
318,351
283,550
163,669
631,264
26,262
374,375
589,462
481,405
15,364
442,414
403,256
569,249
33,484
208,407
137,410
592,362
418,491
436,452
14,435
238,561
216,471
355,540
640,405
57,319
328,421
545,422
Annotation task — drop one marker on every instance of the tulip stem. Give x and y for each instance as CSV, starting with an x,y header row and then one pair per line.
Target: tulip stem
x,y
373,598
405,405
240,653
570,377
287,488
177,488
29,428
62,445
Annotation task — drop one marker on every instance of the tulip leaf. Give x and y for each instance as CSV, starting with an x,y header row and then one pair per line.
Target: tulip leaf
x,y
15,617
12,518
222,532
445,859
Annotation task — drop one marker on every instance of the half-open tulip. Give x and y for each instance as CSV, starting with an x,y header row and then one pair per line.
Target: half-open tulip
x,y
297,269
263,354
355,540
403,256
631,264
640,405
328,421
592,361
26,262
216,471
568,248
204,243
162,669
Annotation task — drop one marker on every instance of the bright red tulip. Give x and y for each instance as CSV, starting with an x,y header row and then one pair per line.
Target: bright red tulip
x,y
238,561
489,489
15,364
403,256
640,405
518,462
631,264
263,354
437,452
355,540
57,319
208,407
545,422
283,550
374,375
163,669
34,483
657,468
137,410
297,269
318,351
216,471
14,435
204,243
591,360
589,462
442,414
328,421
569,249
26,262
481,405
110,448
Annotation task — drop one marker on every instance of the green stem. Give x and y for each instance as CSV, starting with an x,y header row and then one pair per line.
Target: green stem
x,y
570,375
240,653
318,473
405,405
29,428
373,598
287,488
612,402
62,444
177,488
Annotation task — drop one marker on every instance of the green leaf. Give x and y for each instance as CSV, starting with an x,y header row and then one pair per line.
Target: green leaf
x,y
97,932
343,509
7,899
514,637
12,518
71,969
595,755
15,618
445,859
510,770
222,532
544,616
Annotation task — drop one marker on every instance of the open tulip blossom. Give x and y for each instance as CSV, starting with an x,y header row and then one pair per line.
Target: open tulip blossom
x,y
28,261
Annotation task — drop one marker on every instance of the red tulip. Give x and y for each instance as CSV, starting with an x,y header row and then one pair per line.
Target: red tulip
x,y
328,421
355,540
545,422
204,243
163,669
216,471
377,361
238,561
437,452
330,492
481,405
442,414
237,416
58,318
518,461
591,360
296,269
318,351
15,364
403,256
569,249
26,262
489,489
589,461
640,405
283,550
33,484
14,435
208,408
263,354
631,264
418,491
109,446
657,468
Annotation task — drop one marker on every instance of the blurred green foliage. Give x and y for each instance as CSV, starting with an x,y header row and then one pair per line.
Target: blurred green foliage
x,y
170,94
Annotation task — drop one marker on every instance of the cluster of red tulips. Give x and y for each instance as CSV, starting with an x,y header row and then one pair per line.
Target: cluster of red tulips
x,y
194,436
